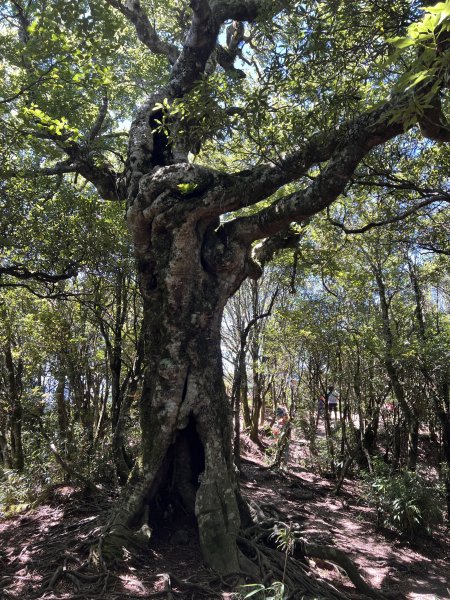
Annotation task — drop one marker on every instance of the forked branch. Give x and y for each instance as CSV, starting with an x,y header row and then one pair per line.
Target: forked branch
x,y
145,31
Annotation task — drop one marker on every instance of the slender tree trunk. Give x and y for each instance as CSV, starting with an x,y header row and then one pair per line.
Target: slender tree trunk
x,y
63,417
244,399
445,424
396,440
439,390
257,405
5,451
122,460
14,374
413,442
393,373
120,402
239,379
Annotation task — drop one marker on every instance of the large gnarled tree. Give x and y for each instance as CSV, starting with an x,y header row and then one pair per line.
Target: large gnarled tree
x,y
318,98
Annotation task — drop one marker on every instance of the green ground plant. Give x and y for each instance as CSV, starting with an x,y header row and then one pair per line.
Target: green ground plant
x,y
258,591
16,492
406,501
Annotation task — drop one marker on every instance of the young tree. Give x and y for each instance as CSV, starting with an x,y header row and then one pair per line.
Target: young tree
x,y
317,99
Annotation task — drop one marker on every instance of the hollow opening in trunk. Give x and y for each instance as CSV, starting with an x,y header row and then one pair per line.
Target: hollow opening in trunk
x,y
185,461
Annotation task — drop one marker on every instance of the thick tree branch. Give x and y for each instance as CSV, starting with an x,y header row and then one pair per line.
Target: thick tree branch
x,y
103,177
24,21
197,48
145,32
433,124
190,66
21,272
83,160
245,10
201,38
327,186
368,130
227,55
100,119
288,238
400,217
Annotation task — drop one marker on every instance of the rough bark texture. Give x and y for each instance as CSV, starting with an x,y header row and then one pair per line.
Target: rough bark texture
x,y
185,415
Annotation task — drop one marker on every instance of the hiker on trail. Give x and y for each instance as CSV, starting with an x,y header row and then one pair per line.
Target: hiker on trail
x,y
320,405
332,400
284,426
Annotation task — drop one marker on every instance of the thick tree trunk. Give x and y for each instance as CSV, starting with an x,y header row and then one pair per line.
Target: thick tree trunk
x,y
186,435
187,455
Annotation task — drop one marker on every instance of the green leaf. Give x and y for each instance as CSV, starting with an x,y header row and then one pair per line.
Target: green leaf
x,y
401,42
187,188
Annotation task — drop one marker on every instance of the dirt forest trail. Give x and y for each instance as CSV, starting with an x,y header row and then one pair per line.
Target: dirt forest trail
x,y
419,571
38,543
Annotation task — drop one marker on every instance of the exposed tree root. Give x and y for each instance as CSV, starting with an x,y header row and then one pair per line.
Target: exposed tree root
x,y
277,566
83,582
294,572
114,543
271,565
342,560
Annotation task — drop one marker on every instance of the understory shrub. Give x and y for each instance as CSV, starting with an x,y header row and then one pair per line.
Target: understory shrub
x,y
15,492
405,501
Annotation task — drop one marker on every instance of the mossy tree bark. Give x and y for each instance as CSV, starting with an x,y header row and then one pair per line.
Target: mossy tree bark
x,y
185,414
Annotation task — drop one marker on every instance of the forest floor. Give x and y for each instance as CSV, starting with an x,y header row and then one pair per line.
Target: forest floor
x,y
43,551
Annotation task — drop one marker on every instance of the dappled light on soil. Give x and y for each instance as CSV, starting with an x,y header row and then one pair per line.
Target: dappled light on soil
x,y
34,545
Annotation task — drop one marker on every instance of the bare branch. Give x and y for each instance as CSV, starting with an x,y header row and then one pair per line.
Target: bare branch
x,y
400,217
146,33
100,119
48,295
28,87
434,249
58,169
